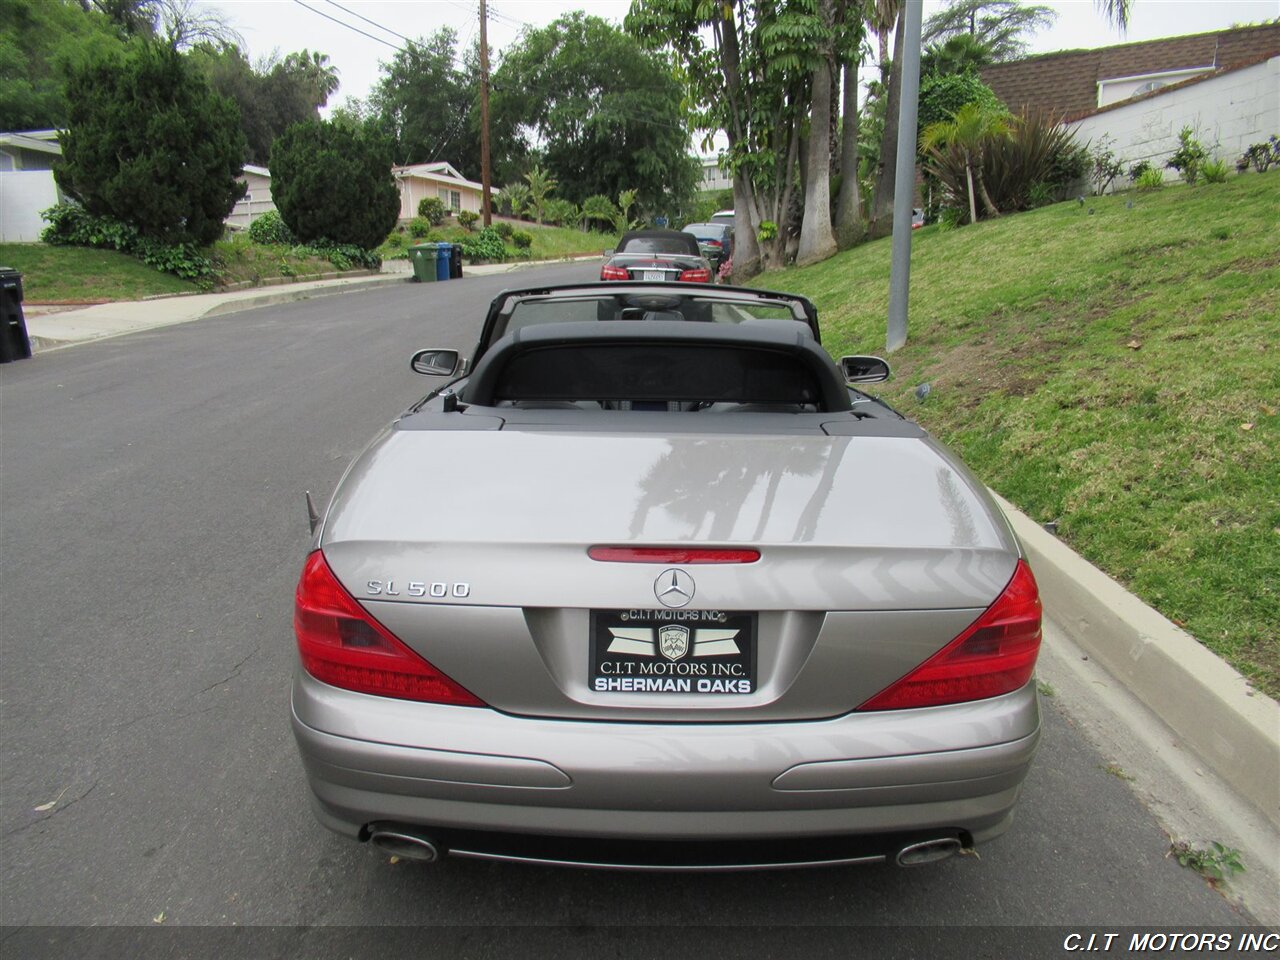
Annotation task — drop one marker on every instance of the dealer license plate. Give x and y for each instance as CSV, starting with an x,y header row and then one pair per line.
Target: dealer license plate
x,y
655,275
692,652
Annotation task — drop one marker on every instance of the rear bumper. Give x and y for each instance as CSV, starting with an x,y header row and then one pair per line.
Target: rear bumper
x,y
953,770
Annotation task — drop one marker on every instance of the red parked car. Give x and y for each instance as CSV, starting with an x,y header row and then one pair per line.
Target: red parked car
x,y
657,255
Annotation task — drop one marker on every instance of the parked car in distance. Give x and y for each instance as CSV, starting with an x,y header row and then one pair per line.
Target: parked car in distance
x,y
657,255
653,583
917,218
724,216
716,241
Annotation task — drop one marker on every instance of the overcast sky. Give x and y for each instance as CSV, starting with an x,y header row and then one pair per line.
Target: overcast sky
x,y
289,25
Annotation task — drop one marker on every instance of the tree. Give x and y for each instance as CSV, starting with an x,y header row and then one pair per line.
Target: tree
x,y
183,23
606,114
963,53
150,144
425,104
332,182
541,185
38,42
882,196
817,238
1001,26
515,196
972,125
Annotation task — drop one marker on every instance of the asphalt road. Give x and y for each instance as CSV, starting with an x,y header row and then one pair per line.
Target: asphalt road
x,y
151,531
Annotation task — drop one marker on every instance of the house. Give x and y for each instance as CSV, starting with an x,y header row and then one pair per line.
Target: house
x,y
254,203
713,177
26,183
1224,85
417,181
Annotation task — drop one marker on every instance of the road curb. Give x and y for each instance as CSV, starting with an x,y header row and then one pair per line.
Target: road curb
x,y
1232,729
288,295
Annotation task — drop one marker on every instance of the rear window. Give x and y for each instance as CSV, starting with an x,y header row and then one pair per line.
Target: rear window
x,y
530,313
675,245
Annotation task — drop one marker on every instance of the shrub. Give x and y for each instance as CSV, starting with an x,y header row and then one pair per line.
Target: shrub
x,y
71,225
1150,179
485,245
768,230
1138,169
396,241
332,183
523,239
1214,171
419,226
1040,195
270,229
432,209
150,145
467,219
1104,166
1260,156
344,256
503,229
1189,157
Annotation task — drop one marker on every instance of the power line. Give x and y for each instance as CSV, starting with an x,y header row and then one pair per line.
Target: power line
x,y
341,23
334,3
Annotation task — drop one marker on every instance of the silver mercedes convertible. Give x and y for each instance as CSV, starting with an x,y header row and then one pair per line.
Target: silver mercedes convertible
x,y
651,583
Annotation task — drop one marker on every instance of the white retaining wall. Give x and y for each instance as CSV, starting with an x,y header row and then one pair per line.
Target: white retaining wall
x,y
1227,113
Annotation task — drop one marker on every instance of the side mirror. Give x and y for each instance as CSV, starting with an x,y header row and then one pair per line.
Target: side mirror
x,y
435,363
864,369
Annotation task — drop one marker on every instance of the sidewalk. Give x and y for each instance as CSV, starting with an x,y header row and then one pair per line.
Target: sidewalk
x,y
50,328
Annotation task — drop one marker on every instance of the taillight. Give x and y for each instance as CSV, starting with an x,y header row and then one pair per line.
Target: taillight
x,y
672,555
712,243
994,655
341,645
695,276
614,273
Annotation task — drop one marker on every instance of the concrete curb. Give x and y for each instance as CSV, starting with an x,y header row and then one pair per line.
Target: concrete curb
x,y
1232,729
285,294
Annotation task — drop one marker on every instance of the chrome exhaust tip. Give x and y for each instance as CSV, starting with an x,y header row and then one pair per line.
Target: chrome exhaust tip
x,y
930,851
408,846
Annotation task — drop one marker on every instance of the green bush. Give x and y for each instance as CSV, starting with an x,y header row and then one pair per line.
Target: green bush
x,y
149,144
1149,179
1214,171
467,219
1138,169
71,225
1189,157
419,226
432,209
270,229
485,245
503,229
523,239
768,230
332,183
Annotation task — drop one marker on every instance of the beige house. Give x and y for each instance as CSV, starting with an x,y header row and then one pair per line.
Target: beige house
x,y
256,202
417,181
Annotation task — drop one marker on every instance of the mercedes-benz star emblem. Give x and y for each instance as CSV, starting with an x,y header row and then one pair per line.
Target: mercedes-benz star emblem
x,y
674,588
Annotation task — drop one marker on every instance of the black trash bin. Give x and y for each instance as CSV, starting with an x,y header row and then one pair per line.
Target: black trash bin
x,y
14,342
455,262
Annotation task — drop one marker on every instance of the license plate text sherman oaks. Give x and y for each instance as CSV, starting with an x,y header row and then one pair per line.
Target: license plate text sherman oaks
x,y
672,651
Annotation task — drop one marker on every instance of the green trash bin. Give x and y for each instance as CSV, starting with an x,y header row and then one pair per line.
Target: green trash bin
x,y
423,258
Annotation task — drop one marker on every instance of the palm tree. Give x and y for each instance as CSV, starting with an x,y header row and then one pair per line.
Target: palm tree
x,y
969,129
541,184
1117,11
516,195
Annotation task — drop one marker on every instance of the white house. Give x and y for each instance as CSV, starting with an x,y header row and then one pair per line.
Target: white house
x,y
713,178
26,183
257,201
417,181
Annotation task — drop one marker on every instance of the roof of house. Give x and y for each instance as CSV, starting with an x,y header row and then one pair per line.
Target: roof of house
x,y
260,171
1067,82
439,171
27,141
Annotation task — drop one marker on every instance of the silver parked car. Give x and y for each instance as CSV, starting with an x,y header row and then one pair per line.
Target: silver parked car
x,y
656,585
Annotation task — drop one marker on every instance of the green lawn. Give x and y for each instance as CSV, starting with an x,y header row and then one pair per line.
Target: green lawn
x,y
549,243
1114,367
79,274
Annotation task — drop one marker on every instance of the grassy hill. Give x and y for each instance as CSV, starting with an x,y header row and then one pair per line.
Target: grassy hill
x,y
1114,367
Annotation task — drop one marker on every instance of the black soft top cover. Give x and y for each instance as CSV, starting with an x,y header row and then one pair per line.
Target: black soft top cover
x,y
673,241
774,362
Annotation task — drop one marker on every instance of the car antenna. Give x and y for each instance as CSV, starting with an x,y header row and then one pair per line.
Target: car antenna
x,y
313,518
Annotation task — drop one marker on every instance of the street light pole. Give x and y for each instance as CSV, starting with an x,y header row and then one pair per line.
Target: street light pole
x,y
904,182
484,113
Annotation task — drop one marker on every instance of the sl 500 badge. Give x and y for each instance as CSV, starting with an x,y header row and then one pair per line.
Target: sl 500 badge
x,y
418,588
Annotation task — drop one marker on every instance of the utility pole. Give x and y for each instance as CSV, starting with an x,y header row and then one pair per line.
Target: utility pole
x,y
904,185
484,112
